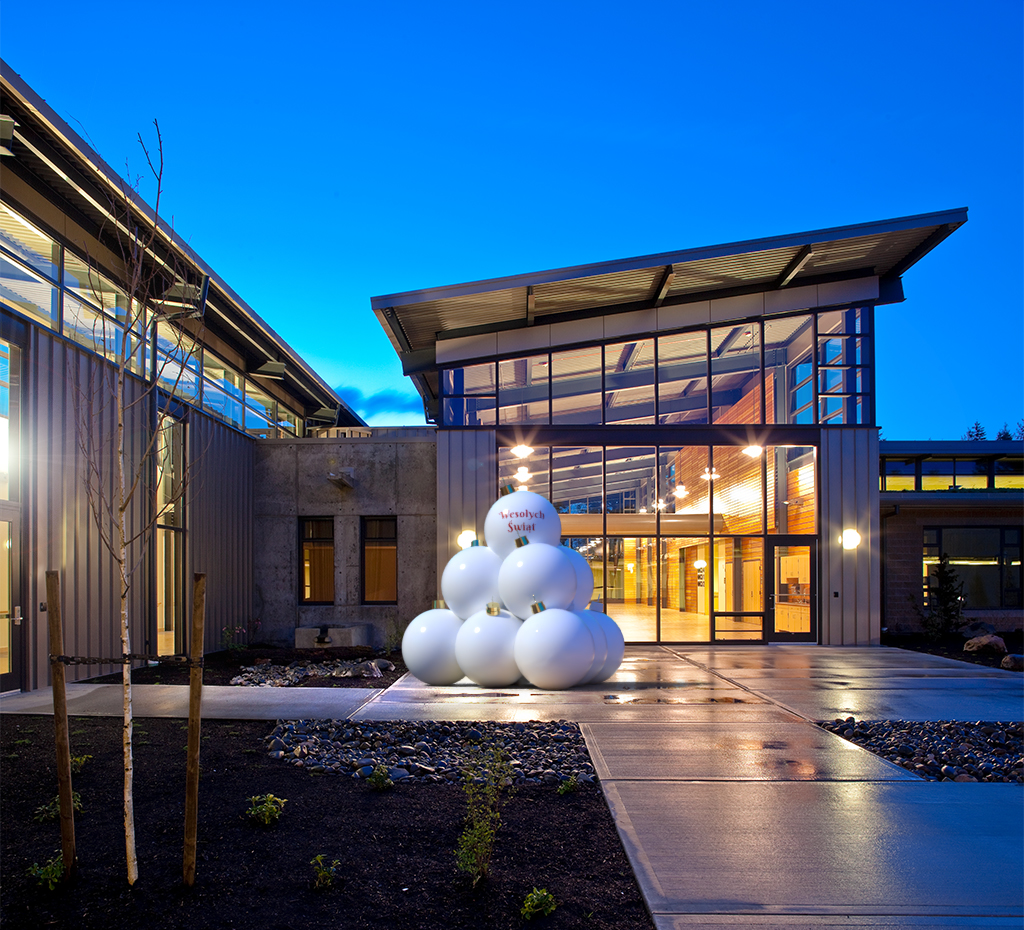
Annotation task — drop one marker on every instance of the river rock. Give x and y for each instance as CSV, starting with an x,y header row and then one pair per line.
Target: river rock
x,y
1014,663
987,643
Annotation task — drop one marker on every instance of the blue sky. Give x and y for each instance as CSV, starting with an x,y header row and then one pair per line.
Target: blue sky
x,y
356,150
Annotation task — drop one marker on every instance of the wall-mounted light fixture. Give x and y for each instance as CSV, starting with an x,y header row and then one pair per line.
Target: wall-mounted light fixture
x,y
753,451
711,474
466,539
521,451
849,539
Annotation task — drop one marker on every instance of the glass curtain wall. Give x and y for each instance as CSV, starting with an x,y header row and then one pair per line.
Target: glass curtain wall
x,y
61,291
676,535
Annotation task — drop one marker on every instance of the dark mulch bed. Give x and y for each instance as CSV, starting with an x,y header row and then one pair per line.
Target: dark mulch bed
x,y
396,848
952,647
220,667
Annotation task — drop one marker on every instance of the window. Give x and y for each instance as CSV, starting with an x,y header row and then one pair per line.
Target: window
x,y
380,560
316,541
987,559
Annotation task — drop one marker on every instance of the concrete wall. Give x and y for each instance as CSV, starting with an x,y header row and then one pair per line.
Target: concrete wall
x,y
392,475
904,543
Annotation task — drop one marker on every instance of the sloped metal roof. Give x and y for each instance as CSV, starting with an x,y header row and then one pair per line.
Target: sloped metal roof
x,y
51,157
415,320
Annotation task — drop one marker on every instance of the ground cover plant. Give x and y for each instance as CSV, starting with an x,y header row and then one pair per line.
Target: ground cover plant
x,y
396,850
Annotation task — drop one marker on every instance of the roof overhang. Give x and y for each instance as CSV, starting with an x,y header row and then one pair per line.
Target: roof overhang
x,y
415,321
51,158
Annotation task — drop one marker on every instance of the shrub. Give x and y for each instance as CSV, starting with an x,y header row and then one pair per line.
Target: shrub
x,y
49,873
538,903
379,779
483,778
324,875
49,812
944,614
78,763
569,786
266,809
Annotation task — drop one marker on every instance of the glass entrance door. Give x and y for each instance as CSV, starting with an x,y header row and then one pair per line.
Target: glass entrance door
x,y
10,613
792,614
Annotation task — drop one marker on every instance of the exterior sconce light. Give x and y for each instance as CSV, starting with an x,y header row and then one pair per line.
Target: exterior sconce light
x,y
850,539
521,451
753,451
711,474
661,505
466,539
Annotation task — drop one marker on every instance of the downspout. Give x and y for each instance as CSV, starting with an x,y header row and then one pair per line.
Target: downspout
x,y
885,560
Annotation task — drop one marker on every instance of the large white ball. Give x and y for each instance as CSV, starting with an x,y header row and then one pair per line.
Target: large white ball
x,y
536,572
584,579
485,649
554,649
470,580
616,647
428,647
596,627
521,513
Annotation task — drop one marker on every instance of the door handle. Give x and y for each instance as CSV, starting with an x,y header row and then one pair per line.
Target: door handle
x,y
17,616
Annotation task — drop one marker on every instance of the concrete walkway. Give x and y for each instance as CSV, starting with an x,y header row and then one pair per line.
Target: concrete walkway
x,y
734,809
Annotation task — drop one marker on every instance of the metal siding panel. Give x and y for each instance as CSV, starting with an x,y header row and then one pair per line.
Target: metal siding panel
x,y
443,501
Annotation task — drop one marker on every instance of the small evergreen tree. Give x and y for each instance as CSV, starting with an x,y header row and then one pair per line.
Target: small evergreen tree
x,y
975,433
1004,433
1018,433
944,614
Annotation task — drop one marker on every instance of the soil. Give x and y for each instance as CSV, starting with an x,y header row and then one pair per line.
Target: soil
x,y
396,848
220,667
952,647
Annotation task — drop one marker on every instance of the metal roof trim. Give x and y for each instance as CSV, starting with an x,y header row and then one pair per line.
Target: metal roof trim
x,y
74,141
954,217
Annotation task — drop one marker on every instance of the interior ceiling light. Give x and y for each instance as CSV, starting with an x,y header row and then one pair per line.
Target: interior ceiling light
x,y
521,451
681,491
523,474
753,451
699,564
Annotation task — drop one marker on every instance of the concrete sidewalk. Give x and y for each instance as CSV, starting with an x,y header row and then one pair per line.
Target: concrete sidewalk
x,y
734,809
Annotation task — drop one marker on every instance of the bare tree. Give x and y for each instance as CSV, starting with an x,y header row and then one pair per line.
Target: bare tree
x,y
143,332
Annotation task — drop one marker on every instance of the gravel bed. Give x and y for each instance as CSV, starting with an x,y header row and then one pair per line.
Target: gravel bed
x,y
286,676
943,750
540,753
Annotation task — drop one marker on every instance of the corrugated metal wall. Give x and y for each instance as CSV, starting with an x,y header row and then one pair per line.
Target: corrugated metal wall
x,y
60,533
467,485
850,578
218,531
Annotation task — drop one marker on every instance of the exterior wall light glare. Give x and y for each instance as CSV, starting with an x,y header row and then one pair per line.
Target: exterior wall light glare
x,y
521,451
699,564
466,539
850,539
753,451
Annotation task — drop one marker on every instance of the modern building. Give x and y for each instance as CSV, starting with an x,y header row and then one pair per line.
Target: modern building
x,y
961,499
208,378
703,421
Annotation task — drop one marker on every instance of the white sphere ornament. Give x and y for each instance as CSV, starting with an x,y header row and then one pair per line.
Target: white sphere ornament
x,y
616,647
554,649
536,572
428,647
470,580
521,513
485,647
597,631
584,579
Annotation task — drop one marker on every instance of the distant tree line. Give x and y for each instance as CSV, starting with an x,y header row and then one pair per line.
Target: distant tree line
x,y
977,432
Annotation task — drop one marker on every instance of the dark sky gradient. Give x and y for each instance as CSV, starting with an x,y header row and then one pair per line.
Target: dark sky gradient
x,y
322,153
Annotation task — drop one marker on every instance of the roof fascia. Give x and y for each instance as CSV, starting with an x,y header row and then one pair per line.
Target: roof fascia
x,y
954,218
16,85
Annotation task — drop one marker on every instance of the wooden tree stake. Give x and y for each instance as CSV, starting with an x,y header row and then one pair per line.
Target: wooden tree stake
x,y
195,705
60,726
